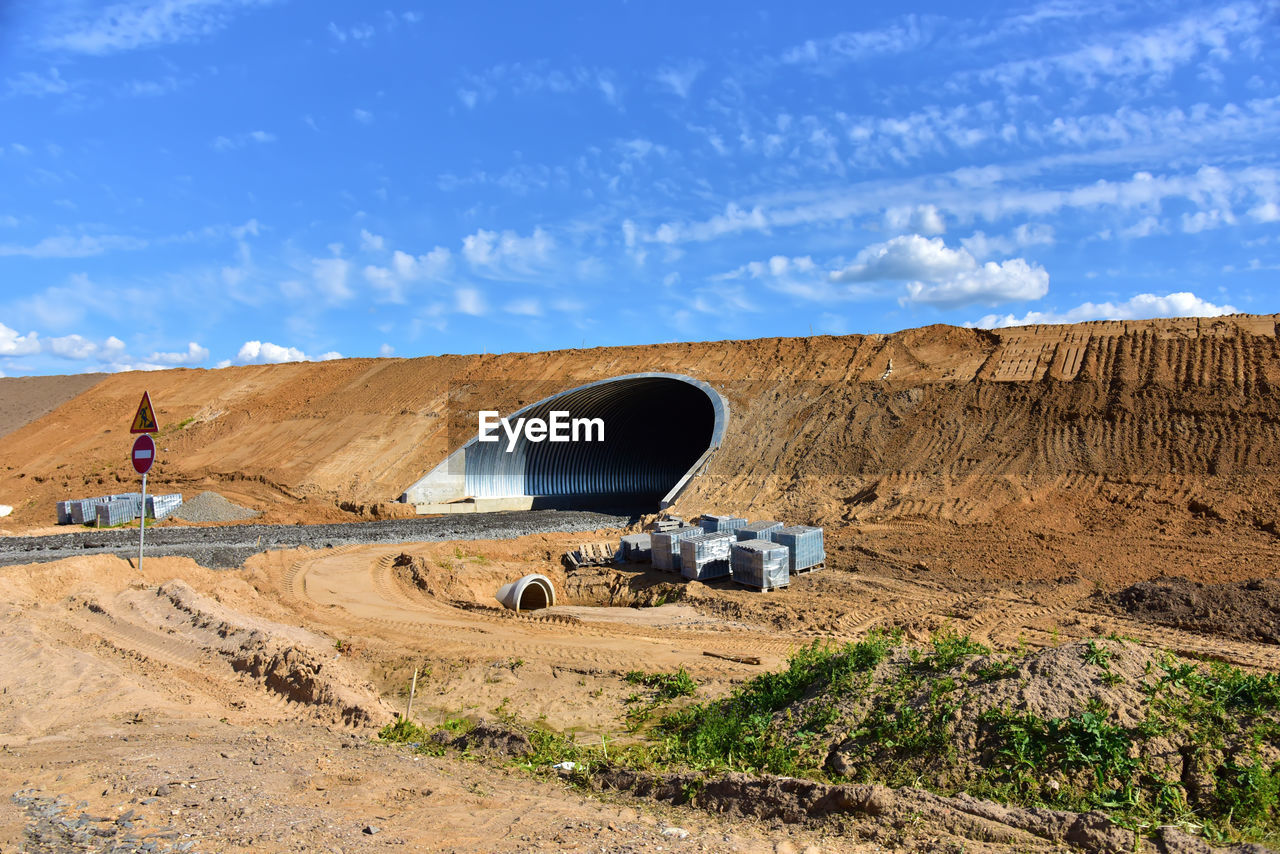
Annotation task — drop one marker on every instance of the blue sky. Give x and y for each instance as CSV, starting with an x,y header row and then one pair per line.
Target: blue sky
x,y
210,182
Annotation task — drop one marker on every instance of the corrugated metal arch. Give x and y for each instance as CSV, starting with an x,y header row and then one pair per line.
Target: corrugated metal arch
x,y
659,431
656,426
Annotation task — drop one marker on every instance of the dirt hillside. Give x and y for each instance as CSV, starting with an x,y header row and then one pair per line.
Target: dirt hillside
x,y
1027,432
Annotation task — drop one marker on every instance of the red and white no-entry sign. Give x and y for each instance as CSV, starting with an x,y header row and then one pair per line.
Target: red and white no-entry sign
x,y
144,453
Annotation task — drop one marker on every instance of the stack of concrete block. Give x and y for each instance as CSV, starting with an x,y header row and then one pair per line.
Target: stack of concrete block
x,y
805,545
705,557
761,564
758,531
115,511
84,511
665,546
713,524
160,506
64,512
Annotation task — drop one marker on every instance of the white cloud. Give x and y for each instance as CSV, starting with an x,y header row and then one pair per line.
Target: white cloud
x,y
195,355
679,79
240,140
386,350
13,344
1027,234
266,353
1137,307
470,301
405,269
65,246
923,219
74,347
1206,220
909,33
330,276
1266,212
364,117
360,33
937,275
489,249
734,219
1144,227
1156,53
141,23
370,242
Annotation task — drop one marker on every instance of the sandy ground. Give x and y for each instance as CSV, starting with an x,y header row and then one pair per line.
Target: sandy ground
x,y
1020,485
264,686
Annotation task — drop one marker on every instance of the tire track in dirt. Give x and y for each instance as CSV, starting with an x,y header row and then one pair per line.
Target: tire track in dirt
x,y
363,585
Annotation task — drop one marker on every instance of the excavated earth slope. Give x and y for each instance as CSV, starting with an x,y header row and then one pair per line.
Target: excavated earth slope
x,y
1166,431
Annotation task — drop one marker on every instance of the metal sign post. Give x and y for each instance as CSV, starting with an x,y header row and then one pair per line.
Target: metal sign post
x,y
143,456
142,522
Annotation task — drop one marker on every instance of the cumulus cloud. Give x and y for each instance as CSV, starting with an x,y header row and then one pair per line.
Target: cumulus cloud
x,y
74,347
405,269
1140,306
194,355
370,242
13,344
266,353
1266,212
490,249
937,275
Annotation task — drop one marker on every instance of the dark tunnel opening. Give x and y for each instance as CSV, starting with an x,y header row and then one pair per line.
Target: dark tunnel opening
x,y
533,598
657,429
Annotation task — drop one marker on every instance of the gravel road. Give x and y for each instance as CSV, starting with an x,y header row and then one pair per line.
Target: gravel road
x,y
228,546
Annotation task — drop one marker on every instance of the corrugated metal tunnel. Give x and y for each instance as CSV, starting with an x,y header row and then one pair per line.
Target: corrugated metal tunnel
x,y
658,431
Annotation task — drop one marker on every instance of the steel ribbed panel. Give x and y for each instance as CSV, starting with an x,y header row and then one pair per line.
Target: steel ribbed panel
x,y
629,461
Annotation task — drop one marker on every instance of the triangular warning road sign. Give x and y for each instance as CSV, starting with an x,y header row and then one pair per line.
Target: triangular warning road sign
x,y
145,420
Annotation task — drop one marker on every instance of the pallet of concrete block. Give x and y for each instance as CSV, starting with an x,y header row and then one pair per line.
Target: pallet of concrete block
x,y
636,548
713,524
668,523
761,564
160,506
665,547
116,511
758,531
706,557
84,511
805,545
64,512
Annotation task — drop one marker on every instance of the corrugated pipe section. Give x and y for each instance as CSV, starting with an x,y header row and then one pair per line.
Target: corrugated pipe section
x,y
656,427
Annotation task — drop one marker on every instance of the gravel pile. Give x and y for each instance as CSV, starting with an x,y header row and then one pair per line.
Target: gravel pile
x,y
212,507
229,546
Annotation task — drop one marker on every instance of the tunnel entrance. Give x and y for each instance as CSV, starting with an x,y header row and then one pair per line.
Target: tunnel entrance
x,y
658,432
